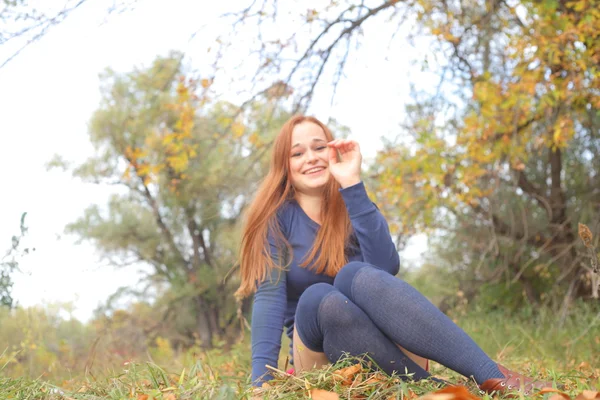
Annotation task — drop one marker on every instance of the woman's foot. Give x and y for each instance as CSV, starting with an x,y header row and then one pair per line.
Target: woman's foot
x,y
512,382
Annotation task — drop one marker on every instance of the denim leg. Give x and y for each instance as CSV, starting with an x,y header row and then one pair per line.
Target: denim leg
x,y
327,321
409,319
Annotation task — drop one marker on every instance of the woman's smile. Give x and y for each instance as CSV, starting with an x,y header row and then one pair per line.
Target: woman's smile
x,y
315,171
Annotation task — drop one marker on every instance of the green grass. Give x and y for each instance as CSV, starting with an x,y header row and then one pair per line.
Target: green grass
x,y
524,336
149,381
531,344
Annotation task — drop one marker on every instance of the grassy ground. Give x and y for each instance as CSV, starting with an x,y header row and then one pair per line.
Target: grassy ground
x,y
535,345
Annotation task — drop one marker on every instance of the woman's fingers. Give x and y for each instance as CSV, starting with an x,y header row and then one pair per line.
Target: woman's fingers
x,y
348,149
348,146
332,155
344,145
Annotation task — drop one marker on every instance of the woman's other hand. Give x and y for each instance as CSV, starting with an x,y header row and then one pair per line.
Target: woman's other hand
x,y
346,170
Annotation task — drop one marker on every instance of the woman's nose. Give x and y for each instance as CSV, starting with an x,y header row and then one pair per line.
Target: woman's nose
x,y
311,155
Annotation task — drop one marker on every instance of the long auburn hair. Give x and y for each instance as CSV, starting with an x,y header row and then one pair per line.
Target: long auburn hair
x,y
327,253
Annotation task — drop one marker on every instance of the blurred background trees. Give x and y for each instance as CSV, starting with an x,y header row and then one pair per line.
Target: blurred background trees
x,y
24,22
497,165
187,167
9,264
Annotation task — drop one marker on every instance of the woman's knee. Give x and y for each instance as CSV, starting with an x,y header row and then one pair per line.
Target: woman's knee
x,y
307,315
311,298
345,277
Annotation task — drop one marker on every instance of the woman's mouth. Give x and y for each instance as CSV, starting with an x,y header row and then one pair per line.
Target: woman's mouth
x,y
314,171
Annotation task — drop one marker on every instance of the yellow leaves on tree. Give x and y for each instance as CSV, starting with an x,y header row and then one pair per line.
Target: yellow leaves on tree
x,y
586,235
518,108
167,150
238,130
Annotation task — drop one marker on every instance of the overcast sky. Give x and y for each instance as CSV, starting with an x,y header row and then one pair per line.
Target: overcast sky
x,y
49,92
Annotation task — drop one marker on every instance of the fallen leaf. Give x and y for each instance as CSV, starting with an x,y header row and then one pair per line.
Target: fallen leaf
x,y
588,395
451,393
559,394
376,378
170,396
408,395
346,375
320,394
142,397
357,380
584,365
437,396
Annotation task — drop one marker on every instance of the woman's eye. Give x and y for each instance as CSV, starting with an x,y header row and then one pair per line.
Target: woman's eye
x,y
321,148
296,154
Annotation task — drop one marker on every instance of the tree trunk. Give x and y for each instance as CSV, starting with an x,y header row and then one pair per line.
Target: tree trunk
x,y
203,324
213,316
530,292
574,284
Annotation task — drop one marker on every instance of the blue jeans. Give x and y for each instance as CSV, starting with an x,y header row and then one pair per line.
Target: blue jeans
x,y
368,311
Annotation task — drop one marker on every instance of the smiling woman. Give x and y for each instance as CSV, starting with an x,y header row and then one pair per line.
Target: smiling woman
x,y
309,158
320,257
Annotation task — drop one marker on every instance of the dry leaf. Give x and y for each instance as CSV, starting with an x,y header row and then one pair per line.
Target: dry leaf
x,y
451,393
142,397
586,235
320,394
376,378
584,365
407,395
588,395
170,396
559,395
346,375
357,380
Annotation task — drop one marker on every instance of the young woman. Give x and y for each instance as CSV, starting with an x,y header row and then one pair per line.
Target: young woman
x,y
319,255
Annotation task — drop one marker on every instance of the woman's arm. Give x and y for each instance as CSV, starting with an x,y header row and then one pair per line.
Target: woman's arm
x,y
371,229
267,325
268,312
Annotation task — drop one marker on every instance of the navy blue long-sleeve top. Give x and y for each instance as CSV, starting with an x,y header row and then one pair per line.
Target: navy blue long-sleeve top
x,y
276,298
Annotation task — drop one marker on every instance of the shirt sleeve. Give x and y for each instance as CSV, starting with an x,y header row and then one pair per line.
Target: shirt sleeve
x,y
268,313
371,229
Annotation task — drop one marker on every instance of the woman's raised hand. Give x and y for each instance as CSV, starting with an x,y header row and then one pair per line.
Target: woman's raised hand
x,y
346,170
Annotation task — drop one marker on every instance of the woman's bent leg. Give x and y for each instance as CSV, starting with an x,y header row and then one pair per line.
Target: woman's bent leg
x,y
409,319
328,323
304,358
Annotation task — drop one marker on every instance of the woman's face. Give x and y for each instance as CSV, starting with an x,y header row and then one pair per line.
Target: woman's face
x,y
309,160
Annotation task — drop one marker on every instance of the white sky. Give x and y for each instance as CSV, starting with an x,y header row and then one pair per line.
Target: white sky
x,y
49,92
